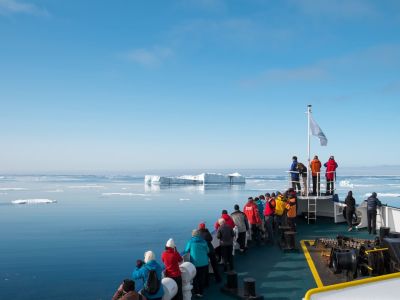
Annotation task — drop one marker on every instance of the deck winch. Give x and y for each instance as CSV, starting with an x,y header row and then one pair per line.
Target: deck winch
x,y
350,258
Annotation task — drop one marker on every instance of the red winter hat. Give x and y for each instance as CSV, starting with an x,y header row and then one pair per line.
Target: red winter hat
x,y
202,225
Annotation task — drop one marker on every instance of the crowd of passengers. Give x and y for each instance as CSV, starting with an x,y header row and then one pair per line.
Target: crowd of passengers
x,y
258,223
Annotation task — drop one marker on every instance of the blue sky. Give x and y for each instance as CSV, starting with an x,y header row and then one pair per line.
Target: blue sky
x,y
139,85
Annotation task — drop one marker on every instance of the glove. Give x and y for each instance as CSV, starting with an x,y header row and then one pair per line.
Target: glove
x,y
139,263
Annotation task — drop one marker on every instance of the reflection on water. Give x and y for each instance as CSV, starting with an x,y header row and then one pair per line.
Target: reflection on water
x,y
185,188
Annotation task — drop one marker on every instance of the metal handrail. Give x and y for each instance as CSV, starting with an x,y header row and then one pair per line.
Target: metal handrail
x,y
318,180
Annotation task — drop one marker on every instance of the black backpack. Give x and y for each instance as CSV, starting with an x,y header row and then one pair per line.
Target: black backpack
x,y
152,284
301,168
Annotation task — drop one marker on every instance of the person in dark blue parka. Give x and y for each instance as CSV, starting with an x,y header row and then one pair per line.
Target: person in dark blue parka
x,y
294,174
372,204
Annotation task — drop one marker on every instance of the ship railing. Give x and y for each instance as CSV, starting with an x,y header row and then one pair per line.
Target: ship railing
x,y
321,181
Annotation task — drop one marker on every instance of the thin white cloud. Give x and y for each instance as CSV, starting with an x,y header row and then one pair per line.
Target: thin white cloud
x,y
307,73
149,57
336,8
18,7
369,62
245,32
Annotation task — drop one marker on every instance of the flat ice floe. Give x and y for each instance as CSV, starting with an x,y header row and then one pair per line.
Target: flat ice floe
x,y
204,178
92,186
346,183
123,194
33,201
55,191
389,195
13,189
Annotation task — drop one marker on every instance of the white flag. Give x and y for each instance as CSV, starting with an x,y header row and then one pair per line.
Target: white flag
x,y
316,130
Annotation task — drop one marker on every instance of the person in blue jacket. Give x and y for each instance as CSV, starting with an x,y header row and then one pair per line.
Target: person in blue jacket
x,y
198,249
142,272
294,174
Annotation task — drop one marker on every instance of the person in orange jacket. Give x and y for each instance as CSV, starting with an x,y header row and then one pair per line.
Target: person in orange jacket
x,y
291,210
315,166
253,216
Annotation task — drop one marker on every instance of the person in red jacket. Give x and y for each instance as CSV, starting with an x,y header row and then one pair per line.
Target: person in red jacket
x,y
253,216
330,175
269,212
171,259
227,218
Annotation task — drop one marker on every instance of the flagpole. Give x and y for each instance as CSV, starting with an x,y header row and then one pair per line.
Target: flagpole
x,y
308,147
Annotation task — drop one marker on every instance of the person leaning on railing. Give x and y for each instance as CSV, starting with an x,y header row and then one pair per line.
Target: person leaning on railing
x,y
331,166
315,166
372,204
279,217
350,209
294,175
198,249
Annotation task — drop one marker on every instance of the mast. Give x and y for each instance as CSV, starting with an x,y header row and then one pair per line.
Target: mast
x,y
308,147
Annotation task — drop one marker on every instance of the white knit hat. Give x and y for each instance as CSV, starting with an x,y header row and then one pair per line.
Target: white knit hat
x,y
148,256
170,243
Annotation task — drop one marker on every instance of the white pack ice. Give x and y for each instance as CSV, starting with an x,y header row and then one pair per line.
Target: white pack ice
x,y
204,178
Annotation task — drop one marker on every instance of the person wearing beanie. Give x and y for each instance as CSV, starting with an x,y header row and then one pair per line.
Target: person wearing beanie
x,y
142,271
206,235
227,218
126,291
198,249
240,220
171,259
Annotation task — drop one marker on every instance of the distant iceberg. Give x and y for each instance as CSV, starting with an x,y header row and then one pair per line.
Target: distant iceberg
x,y
204,178
33,201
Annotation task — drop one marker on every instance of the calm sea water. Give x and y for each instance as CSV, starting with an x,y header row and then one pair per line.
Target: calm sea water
x,y
82,246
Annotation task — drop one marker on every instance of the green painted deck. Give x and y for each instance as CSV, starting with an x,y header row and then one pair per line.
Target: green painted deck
x,y
282,275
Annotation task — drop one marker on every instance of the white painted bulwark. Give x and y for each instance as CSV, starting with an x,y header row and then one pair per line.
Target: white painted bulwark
x,y
387,216
385,289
